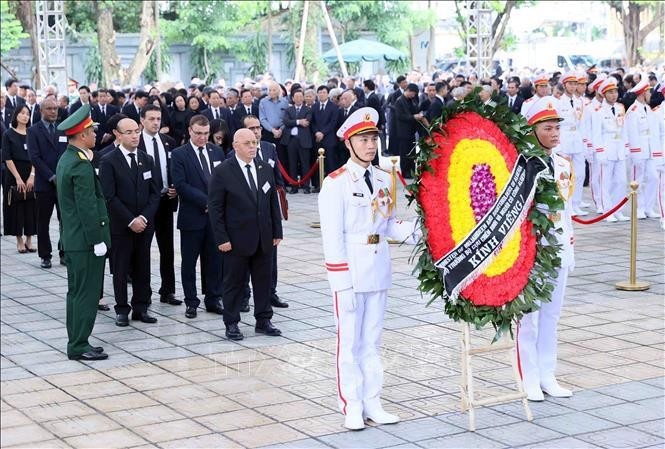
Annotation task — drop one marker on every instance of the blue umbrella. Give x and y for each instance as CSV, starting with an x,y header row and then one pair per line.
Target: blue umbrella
x,y
364,50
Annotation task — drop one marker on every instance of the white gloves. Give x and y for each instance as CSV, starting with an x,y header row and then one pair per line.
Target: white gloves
x,y
100,249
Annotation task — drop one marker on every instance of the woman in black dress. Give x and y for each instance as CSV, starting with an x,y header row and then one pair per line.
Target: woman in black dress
x,y
180,119
20,216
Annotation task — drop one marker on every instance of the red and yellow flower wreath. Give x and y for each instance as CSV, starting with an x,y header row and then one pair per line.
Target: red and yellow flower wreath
x,y
462,167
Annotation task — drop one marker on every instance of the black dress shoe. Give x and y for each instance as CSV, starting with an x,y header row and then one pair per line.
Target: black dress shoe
x,y
276,302
266,327
46,263
306,191
315,190
121,320
97,349
62,262
169,298
293,190
103,307
244,306
90,355
233,333
190,312
217,308
144,317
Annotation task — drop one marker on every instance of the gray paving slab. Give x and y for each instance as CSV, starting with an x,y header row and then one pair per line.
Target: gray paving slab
x,y
368,438
621,438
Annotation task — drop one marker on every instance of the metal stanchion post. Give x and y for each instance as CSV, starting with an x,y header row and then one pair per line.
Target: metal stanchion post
x,y
322,175
393,193
633,284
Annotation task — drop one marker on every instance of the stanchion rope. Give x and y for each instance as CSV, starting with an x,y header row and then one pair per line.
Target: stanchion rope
x,y
603,216
303,180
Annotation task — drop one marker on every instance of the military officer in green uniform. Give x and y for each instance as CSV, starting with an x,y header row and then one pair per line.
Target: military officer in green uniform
x,y
84,233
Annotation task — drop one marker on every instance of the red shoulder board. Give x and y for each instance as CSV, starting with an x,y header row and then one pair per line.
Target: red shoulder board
x,y
337,172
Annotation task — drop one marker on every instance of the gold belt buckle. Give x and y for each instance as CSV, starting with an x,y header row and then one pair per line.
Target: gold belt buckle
x,y
373,239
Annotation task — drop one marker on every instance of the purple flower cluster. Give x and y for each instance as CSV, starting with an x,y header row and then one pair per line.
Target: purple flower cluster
x,y
482,190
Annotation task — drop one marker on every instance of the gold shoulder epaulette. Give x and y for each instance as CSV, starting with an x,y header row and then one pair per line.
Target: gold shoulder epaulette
x,y
82,156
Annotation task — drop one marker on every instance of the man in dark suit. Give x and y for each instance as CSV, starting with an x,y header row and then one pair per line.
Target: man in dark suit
x,y
12,100
133,108
244,213
215,109
159,146
348,104
100,114
376,102
112,124
324,126
45,146
297,138
84,98
436,105
246,107
132,196
407,119
31,103
5,116
359,91
191,168
390,107
514,99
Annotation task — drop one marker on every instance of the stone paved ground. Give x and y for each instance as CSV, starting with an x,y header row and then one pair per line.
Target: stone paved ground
x,y
179,383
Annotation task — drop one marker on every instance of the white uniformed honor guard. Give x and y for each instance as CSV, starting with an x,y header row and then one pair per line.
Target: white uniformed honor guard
x,y
357,214
537,335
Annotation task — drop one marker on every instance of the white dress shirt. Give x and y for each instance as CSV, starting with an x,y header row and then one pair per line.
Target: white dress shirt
x,y
147,139
252,168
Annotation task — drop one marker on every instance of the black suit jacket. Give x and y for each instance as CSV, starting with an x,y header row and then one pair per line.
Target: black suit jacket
x,y
45,151
435,109
128,196
130,111
304,134
517,104
238,216
325,122
241,112
341,117
36,114
405,124
102,119
169,145
360,95
373,101
224,114
9,109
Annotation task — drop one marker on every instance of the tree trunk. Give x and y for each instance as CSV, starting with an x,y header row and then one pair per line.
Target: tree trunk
x,y
26,14
333,38
112,72
631,33
301,42
499,25
269,52
146,44
430,45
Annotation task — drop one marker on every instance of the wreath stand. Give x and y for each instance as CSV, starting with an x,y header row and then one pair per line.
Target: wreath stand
x,y
469,402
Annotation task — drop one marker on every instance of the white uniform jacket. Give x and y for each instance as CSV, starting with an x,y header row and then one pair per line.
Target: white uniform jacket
x,y
571,137
609,133
349,215
642,132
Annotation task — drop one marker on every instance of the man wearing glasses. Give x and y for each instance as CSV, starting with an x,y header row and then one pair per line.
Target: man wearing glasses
x,y
191,168
132,196
246,221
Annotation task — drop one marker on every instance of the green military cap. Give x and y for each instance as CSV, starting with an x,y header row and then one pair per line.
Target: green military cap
x,y
77,122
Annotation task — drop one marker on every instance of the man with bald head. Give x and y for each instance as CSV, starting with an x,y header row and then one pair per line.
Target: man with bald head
x,y
246,222
45,146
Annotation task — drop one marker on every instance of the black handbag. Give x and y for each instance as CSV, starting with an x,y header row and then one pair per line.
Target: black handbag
x,y
15,196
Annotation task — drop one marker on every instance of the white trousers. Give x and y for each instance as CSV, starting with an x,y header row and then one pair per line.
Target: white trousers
x,y
359,321
594,182
579,169
638,174
660,197
537,337
612,183
652,179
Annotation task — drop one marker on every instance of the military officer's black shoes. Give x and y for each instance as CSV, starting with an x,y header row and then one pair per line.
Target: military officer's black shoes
x,y
244,306
190,312
46,263
121,320
169,298
266,327
217,308
97,349
103,307
276,302
88,356
233,333
143,317
306,191
293,190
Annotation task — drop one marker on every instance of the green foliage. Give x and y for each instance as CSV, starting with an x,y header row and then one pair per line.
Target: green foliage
x,y
93,63
254,51
82,16
150,73
539,286
12,30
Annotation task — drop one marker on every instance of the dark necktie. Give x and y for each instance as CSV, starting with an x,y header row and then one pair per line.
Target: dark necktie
x,y
571,103
645,109
297,111
321,107
204,165
511,103
346,113
51,129
132,165
368,181
252,184
158,162
249,110
613,111
104,111
259,156
216,113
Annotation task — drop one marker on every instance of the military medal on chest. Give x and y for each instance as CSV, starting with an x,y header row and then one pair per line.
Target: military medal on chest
x,y
381,203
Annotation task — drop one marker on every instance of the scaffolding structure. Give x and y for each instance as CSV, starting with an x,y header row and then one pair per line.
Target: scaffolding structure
x,y
51,25
479,36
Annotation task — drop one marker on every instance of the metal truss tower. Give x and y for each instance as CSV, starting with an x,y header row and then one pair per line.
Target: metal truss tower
x,y
51,25
479,36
